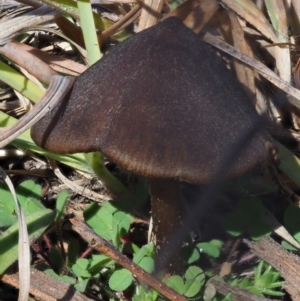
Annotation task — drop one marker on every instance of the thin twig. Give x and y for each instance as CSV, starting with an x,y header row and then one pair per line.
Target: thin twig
x,y
104,247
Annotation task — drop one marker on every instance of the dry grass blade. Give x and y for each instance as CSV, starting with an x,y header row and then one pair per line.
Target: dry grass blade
x,y
151,10
244,74
57,63
195,13
249,11
57,33
24,249
280,23
11,9
28,61
70,30
33,3
279,229
16,107
11,28
24,105
261,68
125,21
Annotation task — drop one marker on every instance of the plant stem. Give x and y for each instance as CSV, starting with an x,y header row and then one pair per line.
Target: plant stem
x,y
111,183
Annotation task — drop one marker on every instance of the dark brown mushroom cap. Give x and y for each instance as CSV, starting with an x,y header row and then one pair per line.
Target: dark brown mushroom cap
x,y
160,104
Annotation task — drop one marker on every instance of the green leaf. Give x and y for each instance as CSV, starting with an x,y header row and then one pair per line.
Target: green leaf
x,y
80,268
266,291
264,280
194,272
192,287
29,194
210,249
142,295
147,263
242,219
123,220
142,252
258,270
176,283
278,284
190,254
110,206
245,283
37,222
56,259
276,276
120,280
97,262
135,248
120,226
255,290
217,243
63,278
81,285
60,204
228,297
6,198
195,279
139,292
115,235
73,252
268,268
100,219
7,217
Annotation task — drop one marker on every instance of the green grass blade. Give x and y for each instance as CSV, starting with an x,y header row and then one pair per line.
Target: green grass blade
x,y
36,222
20,83
89,32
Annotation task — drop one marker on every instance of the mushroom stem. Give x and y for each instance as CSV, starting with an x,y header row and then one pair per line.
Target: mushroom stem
x,y
111,183
165,204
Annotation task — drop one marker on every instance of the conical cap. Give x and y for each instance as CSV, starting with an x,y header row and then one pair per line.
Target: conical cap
x,y
160,104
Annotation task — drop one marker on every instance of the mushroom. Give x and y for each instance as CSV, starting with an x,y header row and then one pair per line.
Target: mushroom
x,y
163,105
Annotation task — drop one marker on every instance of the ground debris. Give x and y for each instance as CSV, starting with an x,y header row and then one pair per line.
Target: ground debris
x,y
283,261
